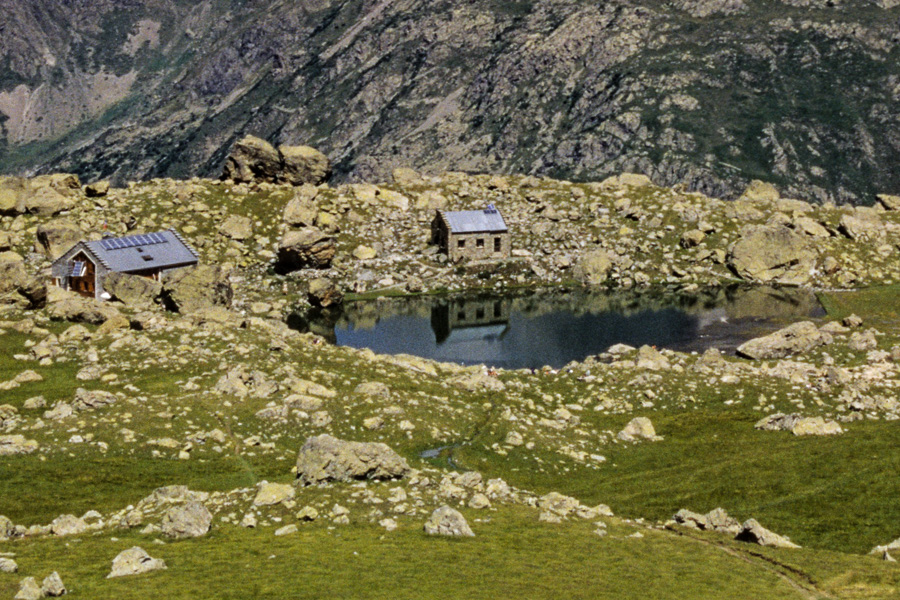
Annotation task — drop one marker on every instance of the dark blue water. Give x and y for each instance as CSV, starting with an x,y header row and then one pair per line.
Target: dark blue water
x,y
555,329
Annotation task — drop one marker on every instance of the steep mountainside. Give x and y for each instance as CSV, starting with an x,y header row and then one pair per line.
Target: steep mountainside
x,y
709,93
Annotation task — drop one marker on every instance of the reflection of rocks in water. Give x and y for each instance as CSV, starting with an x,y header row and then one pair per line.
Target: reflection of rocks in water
x,y
772,303
463,320
318,321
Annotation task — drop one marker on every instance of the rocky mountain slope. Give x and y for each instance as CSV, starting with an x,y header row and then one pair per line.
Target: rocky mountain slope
x,y
707,93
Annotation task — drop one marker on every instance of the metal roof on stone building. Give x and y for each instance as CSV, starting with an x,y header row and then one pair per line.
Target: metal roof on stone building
x,y
142,252
488,220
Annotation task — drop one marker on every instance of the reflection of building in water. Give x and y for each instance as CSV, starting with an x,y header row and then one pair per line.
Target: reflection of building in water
x,y
470,320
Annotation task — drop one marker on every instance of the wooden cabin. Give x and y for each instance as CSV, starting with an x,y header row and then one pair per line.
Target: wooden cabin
x,y
471,234
84,267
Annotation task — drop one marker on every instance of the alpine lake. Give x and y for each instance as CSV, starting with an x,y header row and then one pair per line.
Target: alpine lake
x,y
552,328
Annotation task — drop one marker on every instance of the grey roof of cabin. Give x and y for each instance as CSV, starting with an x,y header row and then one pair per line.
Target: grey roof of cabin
x,y
475,221
150,251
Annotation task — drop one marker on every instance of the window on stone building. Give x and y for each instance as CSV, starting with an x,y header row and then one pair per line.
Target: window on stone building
x,y
461,244
498,244
479,243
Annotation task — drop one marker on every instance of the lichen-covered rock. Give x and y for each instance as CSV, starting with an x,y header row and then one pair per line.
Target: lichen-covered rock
x,y
889,202
252,159
51,194
237,227
7,528
754,533
56,237
816,426
799,425
196,288
97,189
772,254
8,565
134,561
189,520
558,504
93,399
78,309
13,275
323,292
715,520
760,191
12,195
268,494
593,267
448,521
650,358
132,290
326,458
862,226
302,164
64,525
793,339
301,211
52,586
29,590
308,247
639,428
11,445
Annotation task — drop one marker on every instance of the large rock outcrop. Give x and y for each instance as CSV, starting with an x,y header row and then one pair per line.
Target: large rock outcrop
x,y
18,287
308,247
326,458
197,288
42,195
78,309
793,339
302,164
56,237
772,254
132,290
254,159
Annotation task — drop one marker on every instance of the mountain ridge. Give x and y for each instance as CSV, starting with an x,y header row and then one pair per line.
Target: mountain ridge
x,y
708,94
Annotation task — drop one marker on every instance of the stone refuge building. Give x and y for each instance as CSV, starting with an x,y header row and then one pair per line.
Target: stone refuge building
x,y
472,234
84,267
